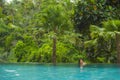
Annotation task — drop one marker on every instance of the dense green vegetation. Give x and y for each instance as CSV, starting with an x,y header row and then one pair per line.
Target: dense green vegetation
x,y
60,31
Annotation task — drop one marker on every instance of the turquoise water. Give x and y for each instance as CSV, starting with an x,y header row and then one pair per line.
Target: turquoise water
x,y
59,72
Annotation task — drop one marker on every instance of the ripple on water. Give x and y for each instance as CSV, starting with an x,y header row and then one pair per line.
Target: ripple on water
x,y
7,70
17,74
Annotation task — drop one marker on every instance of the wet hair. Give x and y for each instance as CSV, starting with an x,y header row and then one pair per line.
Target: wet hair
x,y
79,61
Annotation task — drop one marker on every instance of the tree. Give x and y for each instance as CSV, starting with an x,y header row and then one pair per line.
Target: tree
x,y
89,12
110,29
54,17
114,26
17,20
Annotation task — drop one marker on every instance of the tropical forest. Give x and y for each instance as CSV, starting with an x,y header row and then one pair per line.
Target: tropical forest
x,y
59,31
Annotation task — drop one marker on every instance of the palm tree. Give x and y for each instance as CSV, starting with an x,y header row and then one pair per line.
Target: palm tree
x,y
110,29
54,17
114,27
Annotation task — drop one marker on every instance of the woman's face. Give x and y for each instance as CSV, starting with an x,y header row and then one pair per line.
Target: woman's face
x,y
81,60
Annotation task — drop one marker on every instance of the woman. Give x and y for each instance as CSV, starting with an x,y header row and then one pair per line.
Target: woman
x,y
81,62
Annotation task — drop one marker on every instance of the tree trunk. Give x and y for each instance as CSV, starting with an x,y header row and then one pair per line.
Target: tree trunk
x,y
54,48
118,47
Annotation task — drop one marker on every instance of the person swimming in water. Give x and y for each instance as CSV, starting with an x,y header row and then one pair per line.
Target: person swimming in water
x,y
81,63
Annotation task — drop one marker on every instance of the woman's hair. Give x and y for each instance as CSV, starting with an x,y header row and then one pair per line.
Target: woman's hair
x,y
79,61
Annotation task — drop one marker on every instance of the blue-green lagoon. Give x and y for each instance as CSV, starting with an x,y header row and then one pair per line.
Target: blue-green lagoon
x,y
59,72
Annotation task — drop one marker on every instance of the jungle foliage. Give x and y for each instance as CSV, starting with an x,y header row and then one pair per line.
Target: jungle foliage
x,y
60,31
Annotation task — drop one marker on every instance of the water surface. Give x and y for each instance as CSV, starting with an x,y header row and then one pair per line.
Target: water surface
x,y
59,72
